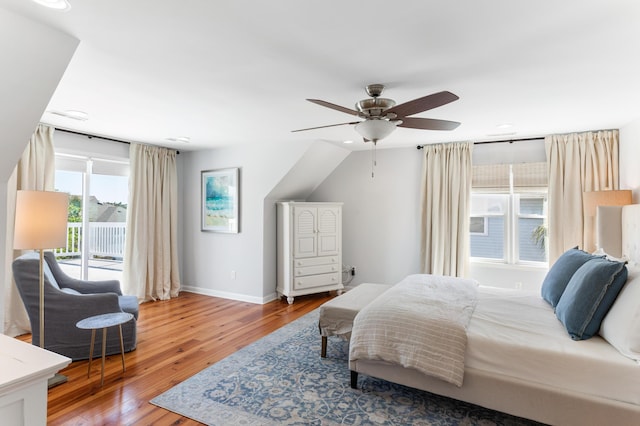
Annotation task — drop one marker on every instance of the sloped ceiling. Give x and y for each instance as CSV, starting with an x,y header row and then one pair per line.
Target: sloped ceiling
x,y
25,85
318,161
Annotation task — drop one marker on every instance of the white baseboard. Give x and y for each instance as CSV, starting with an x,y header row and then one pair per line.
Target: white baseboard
x,y
228,295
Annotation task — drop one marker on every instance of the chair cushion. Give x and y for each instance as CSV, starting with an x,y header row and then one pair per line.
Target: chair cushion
x,y
49,275
129,304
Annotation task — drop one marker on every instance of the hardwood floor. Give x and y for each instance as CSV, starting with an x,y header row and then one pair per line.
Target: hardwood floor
x,y
176,339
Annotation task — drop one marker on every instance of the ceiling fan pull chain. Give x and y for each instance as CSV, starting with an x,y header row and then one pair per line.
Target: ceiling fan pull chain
x,y
374,162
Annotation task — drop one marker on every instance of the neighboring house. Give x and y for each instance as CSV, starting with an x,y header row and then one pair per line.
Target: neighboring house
x,y
104,212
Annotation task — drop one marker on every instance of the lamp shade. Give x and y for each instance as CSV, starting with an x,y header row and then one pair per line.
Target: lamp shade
x,y
375,130
41,220
590,202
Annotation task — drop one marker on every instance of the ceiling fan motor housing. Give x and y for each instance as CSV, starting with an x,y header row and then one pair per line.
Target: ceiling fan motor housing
x,y
374,107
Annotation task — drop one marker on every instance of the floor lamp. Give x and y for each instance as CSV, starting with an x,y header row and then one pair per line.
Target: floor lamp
x,y
41,223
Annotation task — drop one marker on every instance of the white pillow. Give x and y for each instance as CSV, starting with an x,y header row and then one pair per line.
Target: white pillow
x,y
601,252
621,326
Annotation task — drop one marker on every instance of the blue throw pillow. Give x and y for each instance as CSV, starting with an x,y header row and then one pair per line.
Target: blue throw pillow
x,y
589,295
561,272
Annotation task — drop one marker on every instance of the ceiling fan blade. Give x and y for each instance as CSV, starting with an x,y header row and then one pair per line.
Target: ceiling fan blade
x,y
423,104
334,106
428,123
322,127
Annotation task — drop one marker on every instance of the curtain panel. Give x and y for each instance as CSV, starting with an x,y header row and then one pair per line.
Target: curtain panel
x,y
151,270
35,171
445,201
577,162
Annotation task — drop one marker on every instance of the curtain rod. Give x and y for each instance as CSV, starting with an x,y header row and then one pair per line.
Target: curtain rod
x,y
91,136
95,136
500,141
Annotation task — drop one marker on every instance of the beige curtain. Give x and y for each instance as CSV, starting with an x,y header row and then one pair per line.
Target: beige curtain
x,y
151,245
446,195
578,162
35,171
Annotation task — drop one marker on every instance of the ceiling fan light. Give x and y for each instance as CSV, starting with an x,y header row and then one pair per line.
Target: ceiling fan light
x,y
375,130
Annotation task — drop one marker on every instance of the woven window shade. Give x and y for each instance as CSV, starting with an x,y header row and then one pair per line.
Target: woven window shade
x,y
494,178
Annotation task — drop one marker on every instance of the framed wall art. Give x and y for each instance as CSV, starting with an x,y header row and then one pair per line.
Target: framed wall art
x,y
220,200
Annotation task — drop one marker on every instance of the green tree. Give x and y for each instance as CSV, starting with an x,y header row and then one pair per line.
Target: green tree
x,y
75,208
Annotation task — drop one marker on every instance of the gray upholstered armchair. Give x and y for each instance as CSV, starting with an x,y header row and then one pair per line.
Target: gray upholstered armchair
x,y
67,301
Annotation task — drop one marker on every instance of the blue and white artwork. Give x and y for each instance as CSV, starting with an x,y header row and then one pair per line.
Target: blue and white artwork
x,y
220,200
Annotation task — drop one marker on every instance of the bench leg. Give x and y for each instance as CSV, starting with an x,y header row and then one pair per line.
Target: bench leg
x,y
323,349
354,379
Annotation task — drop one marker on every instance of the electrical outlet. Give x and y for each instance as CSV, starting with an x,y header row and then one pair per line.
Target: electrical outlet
x,y
233,275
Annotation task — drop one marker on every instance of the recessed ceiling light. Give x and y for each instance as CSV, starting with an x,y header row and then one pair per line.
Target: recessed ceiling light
x,y
502,134
504,126
183,139
54,4
347,142
71,113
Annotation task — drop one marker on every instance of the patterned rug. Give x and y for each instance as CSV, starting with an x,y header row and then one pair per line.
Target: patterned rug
x,y
281,380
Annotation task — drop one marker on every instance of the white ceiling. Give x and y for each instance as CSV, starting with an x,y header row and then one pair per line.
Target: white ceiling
x,y
239,71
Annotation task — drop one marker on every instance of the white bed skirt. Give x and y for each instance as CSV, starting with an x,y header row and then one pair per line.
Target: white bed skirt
x,y
512,396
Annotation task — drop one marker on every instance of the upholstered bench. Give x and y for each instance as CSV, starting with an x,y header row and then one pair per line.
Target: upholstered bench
x,y
336,315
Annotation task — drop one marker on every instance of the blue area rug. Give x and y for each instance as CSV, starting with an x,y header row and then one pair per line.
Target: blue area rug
x,y
281,380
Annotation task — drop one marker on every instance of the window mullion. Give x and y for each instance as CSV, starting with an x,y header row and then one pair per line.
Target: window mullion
x,y
86,234
510,246
515,241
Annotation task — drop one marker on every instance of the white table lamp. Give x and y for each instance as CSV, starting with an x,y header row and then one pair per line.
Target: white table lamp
x,y
590,201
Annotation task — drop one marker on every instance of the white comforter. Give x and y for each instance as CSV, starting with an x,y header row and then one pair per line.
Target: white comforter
x,y
420,323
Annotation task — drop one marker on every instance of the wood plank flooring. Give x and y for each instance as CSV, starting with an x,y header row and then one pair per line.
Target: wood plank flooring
x,y
176,339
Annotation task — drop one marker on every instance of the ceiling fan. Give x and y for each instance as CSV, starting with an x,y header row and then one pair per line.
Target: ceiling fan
x,y
382,116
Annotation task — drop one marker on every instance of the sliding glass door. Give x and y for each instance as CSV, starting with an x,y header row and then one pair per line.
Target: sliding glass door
x,y
98,195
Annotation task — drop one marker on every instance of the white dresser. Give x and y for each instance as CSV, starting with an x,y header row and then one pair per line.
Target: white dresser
x,y
309,248
24,370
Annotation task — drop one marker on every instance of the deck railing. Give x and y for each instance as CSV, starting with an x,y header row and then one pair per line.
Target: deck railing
x,y
106,239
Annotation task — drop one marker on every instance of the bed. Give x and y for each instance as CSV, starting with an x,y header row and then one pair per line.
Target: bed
x,y
519,358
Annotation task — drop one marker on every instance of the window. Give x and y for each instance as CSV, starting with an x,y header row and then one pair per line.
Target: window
x,y
508,213
478,225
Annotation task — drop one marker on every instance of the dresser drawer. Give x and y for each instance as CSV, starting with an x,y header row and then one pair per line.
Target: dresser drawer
x,y
316,281
314,270
314,261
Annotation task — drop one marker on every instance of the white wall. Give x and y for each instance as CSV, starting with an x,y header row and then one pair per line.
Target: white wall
x,y
34,58
208,258
381,225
